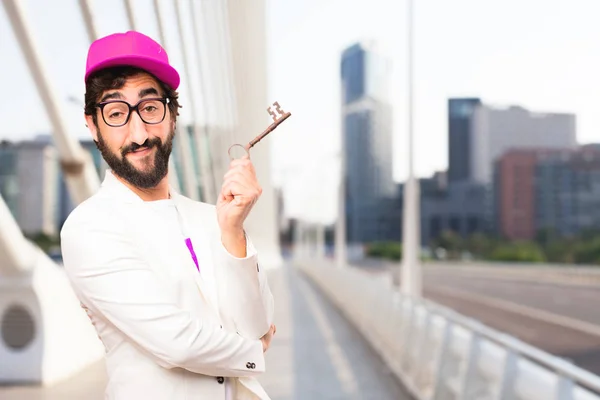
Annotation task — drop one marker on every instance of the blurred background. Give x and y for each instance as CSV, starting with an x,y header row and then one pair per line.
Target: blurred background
x,y
431,214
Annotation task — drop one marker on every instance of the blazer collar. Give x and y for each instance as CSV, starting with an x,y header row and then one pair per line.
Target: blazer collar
x,y
117,189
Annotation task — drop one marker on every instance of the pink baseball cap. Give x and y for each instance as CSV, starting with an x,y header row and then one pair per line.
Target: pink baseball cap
x,y
131,49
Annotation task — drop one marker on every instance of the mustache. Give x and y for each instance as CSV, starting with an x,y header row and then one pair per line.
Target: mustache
x,y
148,144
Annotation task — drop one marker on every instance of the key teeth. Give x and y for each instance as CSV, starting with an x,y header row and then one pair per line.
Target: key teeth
x,y
274,113
279,109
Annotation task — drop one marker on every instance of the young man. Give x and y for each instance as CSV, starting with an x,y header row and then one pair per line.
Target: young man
x,y
172,286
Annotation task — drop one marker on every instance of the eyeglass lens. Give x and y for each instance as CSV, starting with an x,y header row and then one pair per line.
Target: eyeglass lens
x,y
151,112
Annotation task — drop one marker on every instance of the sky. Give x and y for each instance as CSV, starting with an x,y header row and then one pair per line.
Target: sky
x,y
540,54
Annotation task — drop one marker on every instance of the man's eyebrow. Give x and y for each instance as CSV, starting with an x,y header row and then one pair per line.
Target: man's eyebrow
x,y
148,91
111,96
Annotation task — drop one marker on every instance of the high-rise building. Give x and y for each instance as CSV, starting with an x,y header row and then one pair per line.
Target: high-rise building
x,y
460,137
497,130
367,143
478,134
514,186
548,189
454,202
567,191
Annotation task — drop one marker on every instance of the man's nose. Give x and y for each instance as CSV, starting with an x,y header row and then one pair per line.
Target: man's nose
x,y
137,129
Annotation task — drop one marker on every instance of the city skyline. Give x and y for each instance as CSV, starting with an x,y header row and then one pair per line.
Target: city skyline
x,y
462,49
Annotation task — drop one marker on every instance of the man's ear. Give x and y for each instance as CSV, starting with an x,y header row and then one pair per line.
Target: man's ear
x,y
89,122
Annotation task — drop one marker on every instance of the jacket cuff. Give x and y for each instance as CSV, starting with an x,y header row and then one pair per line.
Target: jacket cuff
x,y
245,269
251,252
256,362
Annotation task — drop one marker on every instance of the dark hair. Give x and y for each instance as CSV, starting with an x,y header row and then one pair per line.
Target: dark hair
x,y
115,78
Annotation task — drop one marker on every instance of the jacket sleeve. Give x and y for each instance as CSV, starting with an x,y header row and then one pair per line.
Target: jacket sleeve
x,y
244,293
114,282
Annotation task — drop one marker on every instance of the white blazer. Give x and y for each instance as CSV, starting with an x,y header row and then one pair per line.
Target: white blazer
x,y
170,331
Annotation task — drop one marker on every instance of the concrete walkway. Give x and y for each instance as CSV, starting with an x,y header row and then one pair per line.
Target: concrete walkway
x,y
315,354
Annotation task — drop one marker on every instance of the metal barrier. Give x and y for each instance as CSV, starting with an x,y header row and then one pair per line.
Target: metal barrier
x,y
439,354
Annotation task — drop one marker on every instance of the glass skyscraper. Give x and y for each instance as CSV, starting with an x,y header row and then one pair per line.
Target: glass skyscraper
x,y
367,144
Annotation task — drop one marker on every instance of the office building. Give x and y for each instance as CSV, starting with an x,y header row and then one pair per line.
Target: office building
x,y
460,207
498,130
367,143
567,191
548,189
514,187
478,134
460,137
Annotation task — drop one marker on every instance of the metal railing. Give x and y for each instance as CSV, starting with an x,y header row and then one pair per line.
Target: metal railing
x,y
439,354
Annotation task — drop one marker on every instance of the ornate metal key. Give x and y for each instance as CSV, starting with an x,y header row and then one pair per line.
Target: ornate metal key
x,y
278,116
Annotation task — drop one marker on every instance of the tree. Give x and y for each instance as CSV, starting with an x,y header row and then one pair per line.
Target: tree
x,y
480,244
451,242
518,252
587,251
387,250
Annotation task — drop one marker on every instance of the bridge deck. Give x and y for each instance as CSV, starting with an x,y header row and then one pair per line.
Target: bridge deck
x,y
316,354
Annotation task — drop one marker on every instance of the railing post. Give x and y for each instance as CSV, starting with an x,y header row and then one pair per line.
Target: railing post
x,y
470,366
564,388
422,350
509,374
407,333
440,378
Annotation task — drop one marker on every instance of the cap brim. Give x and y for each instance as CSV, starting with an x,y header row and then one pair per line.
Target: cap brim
x,y
163,71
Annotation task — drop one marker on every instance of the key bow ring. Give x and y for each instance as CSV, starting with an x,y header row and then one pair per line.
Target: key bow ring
x,y
278,116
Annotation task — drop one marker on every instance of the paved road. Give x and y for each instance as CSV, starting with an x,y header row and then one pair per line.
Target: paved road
x,y
560,318
573,301
316,354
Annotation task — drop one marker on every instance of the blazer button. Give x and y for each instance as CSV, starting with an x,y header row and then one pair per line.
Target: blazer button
x,y
220,379
249,365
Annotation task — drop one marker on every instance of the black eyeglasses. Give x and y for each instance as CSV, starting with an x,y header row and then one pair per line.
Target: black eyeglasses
x,y
116,113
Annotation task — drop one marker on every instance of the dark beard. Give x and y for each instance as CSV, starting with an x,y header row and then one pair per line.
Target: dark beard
x,y
124,169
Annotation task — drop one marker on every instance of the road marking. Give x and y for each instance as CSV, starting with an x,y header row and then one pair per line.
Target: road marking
x,y
526,311
336,354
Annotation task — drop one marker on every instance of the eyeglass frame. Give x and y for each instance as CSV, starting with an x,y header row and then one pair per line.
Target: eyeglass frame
x,y
164,100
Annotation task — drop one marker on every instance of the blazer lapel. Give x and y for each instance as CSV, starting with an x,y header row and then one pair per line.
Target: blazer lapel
x,y
200,243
